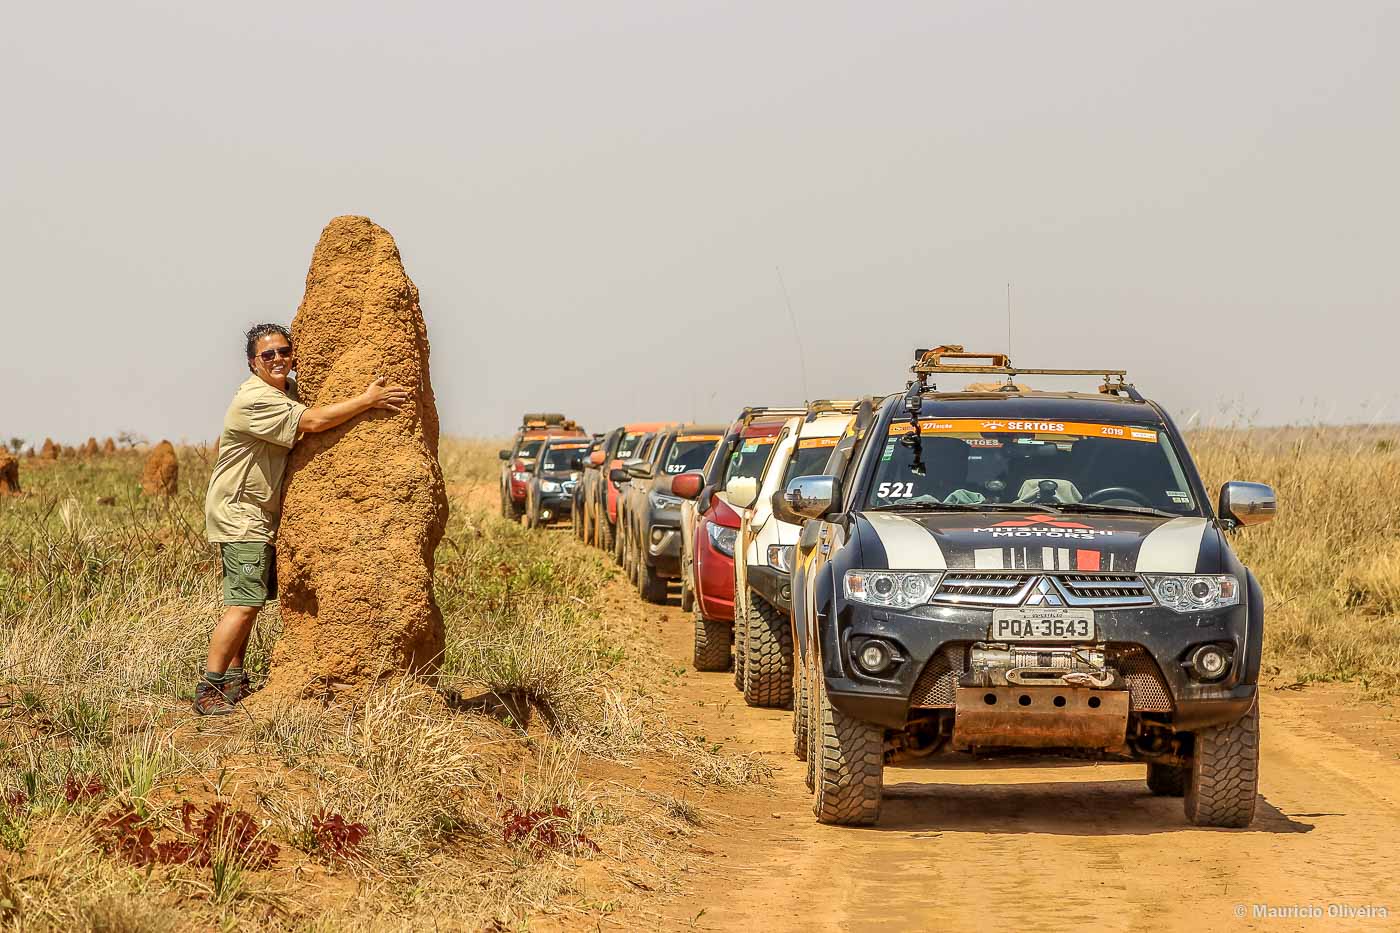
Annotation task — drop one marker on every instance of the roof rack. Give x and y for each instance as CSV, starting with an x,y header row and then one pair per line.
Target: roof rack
x,y
828,406
931,362
767,411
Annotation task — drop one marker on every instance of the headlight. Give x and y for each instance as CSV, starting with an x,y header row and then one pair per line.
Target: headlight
x,y
548,485
520,477
898,590
722,539
780,557
662,501
1194,592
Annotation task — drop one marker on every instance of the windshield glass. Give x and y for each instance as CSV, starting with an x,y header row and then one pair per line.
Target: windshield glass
x,y
1056,463
810,457
628,444
749,458
529,450
560,457
689,452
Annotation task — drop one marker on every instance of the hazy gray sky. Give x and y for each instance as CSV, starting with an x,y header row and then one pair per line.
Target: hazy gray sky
x,y
593,198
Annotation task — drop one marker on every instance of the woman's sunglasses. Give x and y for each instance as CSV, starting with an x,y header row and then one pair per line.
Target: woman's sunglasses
x,y
267,356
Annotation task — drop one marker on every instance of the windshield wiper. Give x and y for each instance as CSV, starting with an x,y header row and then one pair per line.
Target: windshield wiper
x,y
1102,507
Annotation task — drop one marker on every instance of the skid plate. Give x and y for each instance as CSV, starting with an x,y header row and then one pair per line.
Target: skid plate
x,y
1096,719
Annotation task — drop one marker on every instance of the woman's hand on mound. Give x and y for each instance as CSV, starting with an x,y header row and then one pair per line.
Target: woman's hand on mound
x,y
382,395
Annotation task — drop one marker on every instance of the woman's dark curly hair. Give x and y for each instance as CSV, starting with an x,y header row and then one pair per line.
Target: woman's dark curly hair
x,y
262,330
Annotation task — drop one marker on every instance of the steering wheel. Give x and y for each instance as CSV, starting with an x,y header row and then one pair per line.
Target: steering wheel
x,y
1117,492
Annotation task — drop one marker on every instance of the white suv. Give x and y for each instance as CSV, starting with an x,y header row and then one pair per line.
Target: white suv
x,y
764,549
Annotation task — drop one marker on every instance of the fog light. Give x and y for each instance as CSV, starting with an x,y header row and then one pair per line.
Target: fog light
x,y
1210,662
656,535
875,656
546,515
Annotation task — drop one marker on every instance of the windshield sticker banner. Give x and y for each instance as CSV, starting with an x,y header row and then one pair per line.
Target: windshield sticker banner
x,y
808,443
753,443
699,437
1122,432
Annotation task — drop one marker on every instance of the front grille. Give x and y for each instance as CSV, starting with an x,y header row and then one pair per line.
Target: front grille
x,y
1082,590
1147,689
1104,589
939,679
982,589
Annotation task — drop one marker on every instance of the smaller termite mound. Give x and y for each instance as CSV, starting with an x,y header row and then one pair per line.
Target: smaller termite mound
x,y
161,477
109,446
50,451
9,474
89,449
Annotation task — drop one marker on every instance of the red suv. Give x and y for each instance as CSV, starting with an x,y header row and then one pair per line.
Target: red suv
x,y
708,562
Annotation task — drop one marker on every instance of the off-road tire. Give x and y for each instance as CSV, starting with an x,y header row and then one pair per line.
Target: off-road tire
x,y
576,522
604,535
687,596
768,655
810,728
506,510
849,770
1224,785
531,519
650,586
619,548
1167,780
741,641
711,643
799,710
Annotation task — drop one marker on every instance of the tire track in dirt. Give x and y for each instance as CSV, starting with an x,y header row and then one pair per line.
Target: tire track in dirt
x,y
1037,845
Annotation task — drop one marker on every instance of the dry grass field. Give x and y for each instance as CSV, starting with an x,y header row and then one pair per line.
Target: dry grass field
x,y
121,810
543,782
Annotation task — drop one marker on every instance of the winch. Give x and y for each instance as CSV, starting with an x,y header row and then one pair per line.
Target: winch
x,y
992,665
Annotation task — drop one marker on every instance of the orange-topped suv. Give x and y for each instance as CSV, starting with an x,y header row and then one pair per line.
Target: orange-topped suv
x,y
520,456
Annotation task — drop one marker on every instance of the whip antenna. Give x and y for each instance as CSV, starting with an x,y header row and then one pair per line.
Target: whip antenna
x,y
796,335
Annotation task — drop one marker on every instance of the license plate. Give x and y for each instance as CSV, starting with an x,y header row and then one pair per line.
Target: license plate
x,y
1043,625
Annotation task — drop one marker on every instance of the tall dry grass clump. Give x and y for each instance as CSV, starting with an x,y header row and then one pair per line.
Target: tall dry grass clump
x,y
1330,563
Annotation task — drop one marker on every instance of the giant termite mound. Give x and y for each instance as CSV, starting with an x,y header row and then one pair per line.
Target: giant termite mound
x,y
50,451
9,474
364,505
108,447
89,449
161,476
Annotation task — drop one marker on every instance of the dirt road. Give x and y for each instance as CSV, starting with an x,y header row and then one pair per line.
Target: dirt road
x,y
1047,846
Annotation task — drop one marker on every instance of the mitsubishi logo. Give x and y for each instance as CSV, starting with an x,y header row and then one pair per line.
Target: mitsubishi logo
x,y
1043,593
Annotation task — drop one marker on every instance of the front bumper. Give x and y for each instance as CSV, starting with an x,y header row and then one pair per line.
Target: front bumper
x,y
664,550
561,504
773,585
920,634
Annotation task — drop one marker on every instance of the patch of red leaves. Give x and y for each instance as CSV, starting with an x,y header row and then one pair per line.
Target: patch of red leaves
x,y
82,787
543,830
124,834
334,836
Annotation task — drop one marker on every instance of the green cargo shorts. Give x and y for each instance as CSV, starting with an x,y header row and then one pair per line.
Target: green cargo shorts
x,y
250,573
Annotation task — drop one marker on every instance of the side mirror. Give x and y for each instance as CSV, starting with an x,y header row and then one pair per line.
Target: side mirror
x,y
637,468
1247,503
595,458
503,454
742,491
618,476
688,485
782,511
811,496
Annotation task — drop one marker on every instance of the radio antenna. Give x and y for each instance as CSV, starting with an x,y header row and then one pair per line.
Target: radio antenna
x,y
1008,319
796,335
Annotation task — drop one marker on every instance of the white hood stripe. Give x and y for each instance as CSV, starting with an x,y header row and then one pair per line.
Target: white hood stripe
x,y
908,545
1172,547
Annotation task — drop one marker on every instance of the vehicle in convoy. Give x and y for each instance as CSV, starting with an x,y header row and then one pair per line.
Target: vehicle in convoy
x,y
597,491
710,526
576,506
520,456
618,479
549,492
762,599
649,518
1025,571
